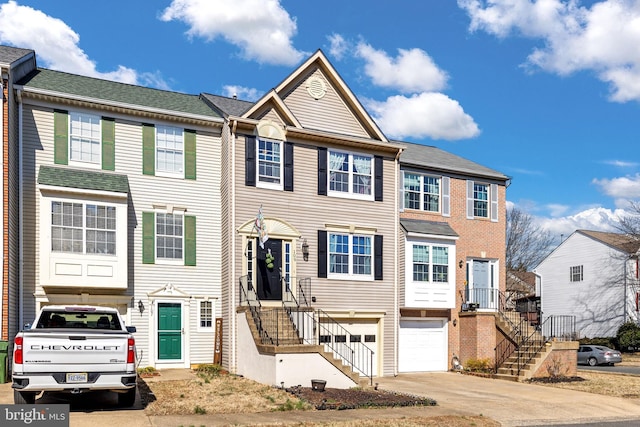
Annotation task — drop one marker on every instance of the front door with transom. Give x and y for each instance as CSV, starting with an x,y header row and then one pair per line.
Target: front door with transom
x,y
269,271
169,331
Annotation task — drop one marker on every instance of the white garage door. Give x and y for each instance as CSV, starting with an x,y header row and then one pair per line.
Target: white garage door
x,y
423,345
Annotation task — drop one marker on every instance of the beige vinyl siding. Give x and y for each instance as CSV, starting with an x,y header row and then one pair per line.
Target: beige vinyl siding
x,y
227,307
308,213
329,113
201,197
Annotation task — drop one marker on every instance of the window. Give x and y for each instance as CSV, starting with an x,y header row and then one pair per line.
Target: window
x,y
206,314
169,236
169,150
575,273
269,162
421,192
350,255
425,256
83,228
350,173
84,138
480,200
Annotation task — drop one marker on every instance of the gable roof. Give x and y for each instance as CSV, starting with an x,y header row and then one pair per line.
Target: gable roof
x,y
319,60
433,158
621,242
58,84
9,55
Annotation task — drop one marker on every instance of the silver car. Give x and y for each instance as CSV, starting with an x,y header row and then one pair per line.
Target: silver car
x,y
593,355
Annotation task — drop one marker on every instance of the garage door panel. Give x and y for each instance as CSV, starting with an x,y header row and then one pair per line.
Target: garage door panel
x,y
423,346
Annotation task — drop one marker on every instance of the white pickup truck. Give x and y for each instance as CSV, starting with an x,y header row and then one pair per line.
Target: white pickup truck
x,y
75,349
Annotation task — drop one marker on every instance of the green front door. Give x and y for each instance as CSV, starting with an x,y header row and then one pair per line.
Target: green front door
x,y
169,331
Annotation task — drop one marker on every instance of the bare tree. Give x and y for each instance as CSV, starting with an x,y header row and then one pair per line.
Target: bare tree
x,y
527,244
629,224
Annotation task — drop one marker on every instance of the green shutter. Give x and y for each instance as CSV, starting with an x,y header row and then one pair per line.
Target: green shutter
x,y
189,154
108,144
189,240
148,149
148,238
60,137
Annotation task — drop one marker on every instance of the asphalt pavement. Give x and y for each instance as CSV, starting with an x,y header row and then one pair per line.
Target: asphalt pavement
x,y
510,403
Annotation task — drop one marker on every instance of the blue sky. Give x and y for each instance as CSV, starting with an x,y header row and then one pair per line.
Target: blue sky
x,y
546,92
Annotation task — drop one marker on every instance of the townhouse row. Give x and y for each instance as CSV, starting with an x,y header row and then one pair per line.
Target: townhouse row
x,y
182,210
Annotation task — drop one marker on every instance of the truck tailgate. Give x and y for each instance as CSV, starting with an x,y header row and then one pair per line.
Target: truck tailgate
x,y
62,351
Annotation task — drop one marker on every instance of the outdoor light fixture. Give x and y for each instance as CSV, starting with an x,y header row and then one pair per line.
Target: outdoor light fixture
x,y
305,250
460,264
140,306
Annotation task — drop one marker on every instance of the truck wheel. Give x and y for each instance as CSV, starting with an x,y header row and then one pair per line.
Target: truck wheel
x,y
127,398
24,397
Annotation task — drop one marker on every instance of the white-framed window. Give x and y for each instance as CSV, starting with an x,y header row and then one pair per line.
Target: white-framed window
x,y
421,192
430,263
480,200
85,138
169,236
205,315
169,150
350,174
269,163
576,273
83,228
350,255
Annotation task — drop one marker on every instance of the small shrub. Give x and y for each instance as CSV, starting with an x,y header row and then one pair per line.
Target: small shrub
x,y
556,368
479,365
199,410
207,372
147,370
629,336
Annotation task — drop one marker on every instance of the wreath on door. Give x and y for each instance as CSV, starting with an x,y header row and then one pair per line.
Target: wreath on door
x,y
269,260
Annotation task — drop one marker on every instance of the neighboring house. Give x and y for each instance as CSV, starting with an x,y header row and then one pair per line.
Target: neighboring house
x,y
452,258
593,276
15,63
313,162
121,207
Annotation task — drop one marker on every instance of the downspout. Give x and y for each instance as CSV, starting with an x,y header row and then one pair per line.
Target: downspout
x,y
20,215
396,307
233,361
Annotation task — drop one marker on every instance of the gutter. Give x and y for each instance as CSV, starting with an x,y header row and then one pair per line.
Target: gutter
x,y
20,213
396,307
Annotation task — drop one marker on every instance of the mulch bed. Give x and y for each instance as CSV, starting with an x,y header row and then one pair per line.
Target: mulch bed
x,y
354,398
554,380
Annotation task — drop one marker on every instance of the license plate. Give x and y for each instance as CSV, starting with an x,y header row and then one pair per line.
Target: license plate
x,y
77,378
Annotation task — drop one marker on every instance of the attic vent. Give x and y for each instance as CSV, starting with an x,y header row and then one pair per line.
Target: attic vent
x,y
316,87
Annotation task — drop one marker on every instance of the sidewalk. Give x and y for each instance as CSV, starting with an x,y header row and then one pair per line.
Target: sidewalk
x,y
512,404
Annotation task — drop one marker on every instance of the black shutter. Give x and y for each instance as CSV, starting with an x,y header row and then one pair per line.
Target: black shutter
x,y
322,253
377,165
322,171
288,166
250,161
377,258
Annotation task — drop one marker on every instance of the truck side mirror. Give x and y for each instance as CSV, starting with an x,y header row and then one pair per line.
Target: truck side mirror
x,y
27,326
131,329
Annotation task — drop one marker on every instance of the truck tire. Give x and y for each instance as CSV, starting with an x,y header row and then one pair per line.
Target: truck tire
x,y
128,398
24,397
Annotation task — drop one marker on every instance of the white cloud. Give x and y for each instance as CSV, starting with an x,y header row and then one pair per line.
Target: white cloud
x,y
57,45
262,29
432,115
622,189
338,46
621,163
243,93
597,219
602,38
411,71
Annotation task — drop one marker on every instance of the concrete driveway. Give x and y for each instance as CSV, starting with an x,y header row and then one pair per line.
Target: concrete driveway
x,y
511,403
